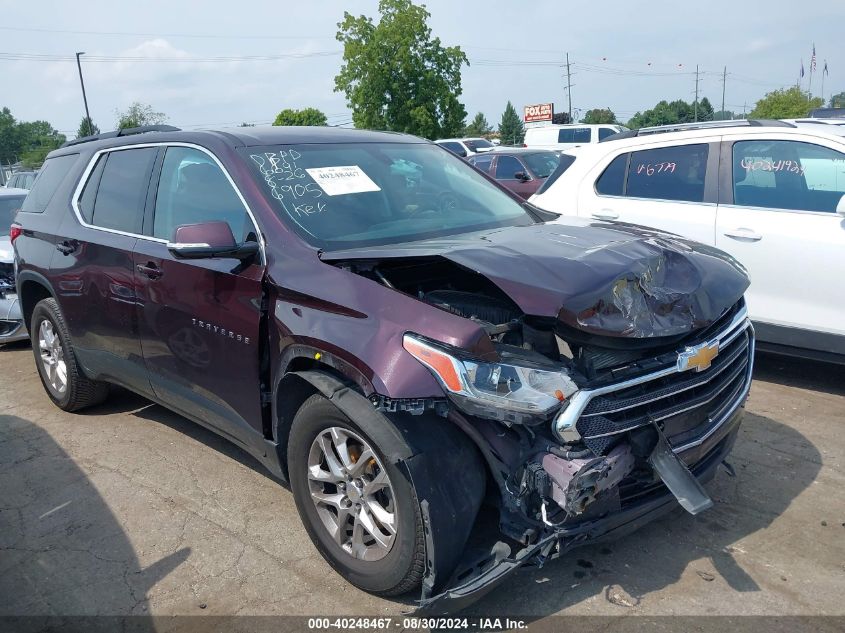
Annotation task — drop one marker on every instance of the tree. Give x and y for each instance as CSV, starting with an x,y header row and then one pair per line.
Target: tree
x,y
838,101
599,115
511,129
26,141
9,138
789,103
306,116
561,118
666,113
478,126
395,76
87,127
705,110
138,114
724,115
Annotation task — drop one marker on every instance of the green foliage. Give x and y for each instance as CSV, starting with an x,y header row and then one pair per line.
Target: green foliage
x,y
838,100
789,103
138,114
705,110
724,115
671,113
478,126
27,142
599,115
306,116
87,127
561,118
395,76
511,128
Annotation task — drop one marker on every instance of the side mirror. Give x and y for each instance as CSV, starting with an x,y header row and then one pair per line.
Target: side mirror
x,y
521,175
207,240
840,208
462,153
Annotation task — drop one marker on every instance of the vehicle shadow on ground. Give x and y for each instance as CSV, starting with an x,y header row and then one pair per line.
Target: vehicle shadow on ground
x,y
124,401
703,547
800,373
62,549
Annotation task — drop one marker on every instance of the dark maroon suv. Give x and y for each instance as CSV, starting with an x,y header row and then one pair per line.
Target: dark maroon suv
x,y
393,333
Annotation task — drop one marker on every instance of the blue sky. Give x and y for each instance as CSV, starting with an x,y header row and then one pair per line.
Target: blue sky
x,y
624,55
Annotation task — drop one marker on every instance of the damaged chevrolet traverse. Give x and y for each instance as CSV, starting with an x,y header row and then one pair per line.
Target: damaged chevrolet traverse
x,y
394,334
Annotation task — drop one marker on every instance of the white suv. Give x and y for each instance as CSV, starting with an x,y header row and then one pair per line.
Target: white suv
x,y
562,137
464,147
771,194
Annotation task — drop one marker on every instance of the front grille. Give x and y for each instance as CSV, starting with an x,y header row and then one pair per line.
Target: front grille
x,y
687,405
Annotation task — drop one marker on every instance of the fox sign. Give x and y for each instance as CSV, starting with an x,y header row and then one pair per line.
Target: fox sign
x,y
539,112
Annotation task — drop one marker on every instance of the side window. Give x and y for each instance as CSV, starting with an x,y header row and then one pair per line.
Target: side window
x,y
612,180
604,132
119,203
506,167
668,173
788,175
193,189
49,178
573,135
455,148
482,162
89,193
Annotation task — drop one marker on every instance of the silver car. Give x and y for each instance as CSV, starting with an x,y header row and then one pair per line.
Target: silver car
x,y
12,327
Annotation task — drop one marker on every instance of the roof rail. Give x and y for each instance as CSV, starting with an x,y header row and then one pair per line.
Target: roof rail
x,y
127,131
706,125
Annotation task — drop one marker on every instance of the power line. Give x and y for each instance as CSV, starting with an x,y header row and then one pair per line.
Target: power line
x,y
191,35
38,57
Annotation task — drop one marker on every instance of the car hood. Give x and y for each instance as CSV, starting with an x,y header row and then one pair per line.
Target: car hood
x,y
7,255
609,279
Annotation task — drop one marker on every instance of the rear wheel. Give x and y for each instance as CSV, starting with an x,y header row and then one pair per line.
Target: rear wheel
x,y
360,511
57,366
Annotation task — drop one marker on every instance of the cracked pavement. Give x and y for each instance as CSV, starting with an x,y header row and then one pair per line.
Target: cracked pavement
x,y
131,509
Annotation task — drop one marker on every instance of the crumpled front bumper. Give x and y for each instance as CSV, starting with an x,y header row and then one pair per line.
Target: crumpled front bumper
x,y
11,320
558,541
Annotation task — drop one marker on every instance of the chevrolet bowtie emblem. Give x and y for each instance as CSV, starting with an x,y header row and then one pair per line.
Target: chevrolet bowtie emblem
x,y
698,357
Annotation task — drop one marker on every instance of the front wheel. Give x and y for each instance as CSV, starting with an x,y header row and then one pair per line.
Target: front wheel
x,y
60,373
360,511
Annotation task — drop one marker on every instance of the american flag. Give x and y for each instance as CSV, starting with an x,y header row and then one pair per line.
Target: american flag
x,y
813,60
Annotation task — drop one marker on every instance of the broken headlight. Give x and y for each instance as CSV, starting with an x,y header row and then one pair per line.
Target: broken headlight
x,y
502,391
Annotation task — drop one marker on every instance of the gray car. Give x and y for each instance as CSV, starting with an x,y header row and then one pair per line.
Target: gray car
x,y
12,327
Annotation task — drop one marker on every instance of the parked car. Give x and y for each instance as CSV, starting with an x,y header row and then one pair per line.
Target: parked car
x,y
561,137
464,147
391,332
520,170
12,327
768,193
21,180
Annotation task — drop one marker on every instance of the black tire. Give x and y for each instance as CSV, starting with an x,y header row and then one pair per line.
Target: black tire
x,y
402,569
80,391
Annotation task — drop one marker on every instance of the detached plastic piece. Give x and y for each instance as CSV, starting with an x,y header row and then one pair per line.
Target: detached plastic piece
x,y
677,477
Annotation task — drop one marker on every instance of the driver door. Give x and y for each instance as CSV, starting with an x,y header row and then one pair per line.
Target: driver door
x,y
199,318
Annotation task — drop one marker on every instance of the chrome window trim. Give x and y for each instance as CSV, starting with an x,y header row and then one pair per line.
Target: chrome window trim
x,y
86,174
564,423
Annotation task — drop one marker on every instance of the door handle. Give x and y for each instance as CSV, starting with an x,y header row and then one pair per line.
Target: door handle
x,y
605,214
150,270
67,247
746,235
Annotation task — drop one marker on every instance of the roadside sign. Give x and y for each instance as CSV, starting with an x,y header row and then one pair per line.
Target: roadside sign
x,y
539,112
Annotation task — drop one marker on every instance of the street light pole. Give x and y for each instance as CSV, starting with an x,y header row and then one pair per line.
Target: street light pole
x,y
84,98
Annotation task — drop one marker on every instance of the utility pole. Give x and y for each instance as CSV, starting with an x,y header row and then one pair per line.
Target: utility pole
x,y
569,87
695,107
84,98
724,80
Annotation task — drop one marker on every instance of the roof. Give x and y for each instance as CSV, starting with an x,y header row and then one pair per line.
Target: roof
x,y
239,136
10,192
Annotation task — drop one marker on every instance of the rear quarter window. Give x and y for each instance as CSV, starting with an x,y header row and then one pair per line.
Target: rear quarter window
x,y
52,174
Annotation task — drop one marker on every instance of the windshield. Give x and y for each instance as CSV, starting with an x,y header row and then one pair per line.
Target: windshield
x,y
9,207
542,164
476,144
348,195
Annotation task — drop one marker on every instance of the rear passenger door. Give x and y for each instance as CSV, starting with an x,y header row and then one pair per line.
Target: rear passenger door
x,y
673,188
93,271
778,217
200,318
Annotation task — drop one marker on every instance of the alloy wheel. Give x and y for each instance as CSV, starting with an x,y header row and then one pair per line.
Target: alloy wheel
x,y
52,356
352,493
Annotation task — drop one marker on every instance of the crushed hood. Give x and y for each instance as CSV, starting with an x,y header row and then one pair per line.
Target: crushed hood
x,y
607,279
